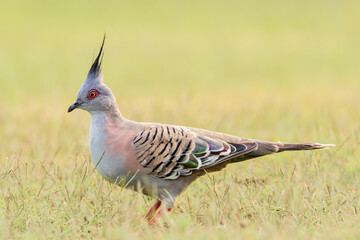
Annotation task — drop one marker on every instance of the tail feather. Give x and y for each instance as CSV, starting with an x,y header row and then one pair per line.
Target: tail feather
x,y
265,148
301,146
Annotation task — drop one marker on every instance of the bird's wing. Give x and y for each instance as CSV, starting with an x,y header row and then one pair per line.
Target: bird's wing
x,y
171,151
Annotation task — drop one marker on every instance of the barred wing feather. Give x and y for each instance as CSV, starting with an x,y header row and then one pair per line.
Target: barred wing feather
x,y
171,151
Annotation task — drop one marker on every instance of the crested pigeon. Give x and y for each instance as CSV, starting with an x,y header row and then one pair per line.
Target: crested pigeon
x,y
162,159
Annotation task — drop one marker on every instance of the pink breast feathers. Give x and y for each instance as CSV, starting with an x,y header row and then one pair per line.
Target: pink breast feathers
x,y
118,143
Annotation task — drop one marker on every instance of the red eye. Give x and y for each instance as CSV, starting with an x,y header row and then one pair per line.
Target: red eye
x,y
92,94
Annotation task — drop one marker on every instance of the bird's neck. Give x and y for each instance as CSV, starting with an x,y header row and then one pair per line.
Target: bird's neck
x,y
111,115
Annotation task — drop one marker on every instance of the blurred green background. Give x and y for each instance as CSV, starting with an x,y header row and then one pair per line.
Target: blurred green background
x,y
179,45
272,70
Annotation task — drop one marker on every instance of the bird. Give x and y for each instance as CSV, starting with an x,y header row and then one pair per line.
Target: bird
x,y
160,160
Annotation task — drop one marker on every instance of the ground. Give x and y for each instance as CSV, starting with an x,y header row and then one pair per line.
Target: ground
x,y
271,70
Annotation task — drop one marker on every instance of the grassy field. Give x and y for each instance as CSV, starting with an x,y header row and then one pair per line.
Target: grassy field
x,y
271,70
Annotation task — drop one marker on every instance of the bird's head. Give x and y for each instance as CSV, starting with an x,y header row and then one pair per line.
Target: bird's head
x,y
94,95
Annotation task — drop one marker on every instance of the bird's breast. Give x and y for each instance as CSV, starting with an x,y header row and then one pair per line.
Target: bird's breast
x,y
111,151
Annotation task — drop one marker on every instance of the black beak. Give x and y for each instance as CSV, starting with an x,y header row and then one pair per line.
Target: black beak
x,y
74,106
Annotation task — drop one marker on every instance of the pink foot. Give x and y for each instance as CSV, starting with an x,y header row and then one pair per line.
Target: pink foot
x,y
152,210
158,215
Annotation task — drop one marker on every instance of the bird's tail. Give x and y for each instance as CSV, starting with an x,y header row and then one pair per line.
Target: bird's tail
x,y
301,146
265,148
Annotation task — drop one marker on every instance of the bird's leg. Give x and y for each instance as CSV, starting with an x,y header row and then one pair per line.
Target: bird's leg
x,y
158,215
152,210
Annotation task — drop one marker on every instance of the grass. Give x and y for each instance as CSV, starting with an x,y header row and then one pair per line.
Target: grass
x,y
270,70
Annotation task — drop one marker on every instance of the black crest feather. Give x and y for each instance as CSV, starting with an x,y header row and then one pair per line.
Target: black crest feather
x,y
96,66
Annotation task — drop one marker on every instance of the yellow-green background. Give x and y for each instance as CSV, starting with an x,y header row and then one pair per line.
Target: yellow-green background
x,y
272,70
